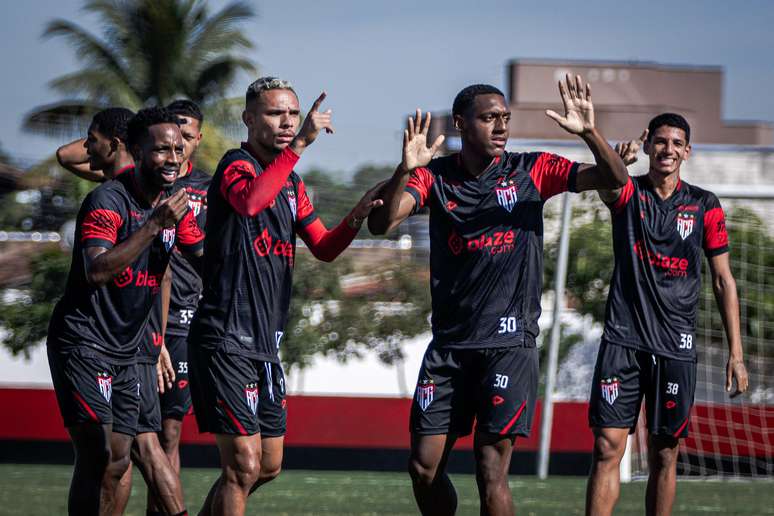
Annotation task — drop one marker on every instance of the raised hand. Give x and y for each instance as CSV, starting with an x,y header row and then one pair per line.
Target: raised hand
x,y
578,110
169,211
314,122
628,150
365,205
416,153
735,369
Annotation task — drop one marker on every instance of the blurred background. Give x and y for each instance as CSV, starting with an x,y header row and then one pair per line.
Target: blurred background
x,y
359,326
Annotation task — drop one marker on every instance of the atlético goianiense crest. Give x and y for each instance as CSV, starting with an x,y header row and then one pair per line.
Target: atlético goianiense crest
x,y
506,194
609,388
105,384
168,237
685,223
251,396
425,393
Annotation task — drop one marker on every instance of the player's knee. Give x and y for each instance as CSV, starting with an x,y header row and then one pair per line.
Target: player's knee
x,y
422,474
665,456
490,471
244,470
608,450
170,437
269,472
95,457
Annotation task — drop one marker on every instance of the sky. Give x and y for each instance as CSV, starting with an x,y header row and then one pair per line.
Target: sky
x,y
379,60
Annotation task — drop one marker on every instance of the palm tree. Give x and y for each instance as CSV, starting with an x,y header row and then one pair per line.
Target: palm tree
x,y
150,52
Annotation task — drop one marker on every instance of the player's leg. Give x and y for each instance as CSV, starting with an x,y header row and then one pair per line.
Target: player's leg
x,y
175,402
120,446
123,492
83,387
224,391
164,490
614,406
272,415
433,490
668,403
441,411
506,386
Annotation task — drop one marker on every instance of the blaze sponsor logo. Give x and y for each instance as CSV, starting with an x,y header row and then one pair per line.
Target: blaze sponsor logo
x,y
157,339
685,223
251,396
265,245
105,384
456,244
506,194
425,393
496,242
168,238
609,387
124,278
671,265
497,400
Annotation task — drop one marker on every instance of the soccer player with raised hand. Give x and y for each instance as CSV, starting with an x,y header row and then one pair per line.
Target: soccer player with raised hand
x,y
662,226
256,207
486,240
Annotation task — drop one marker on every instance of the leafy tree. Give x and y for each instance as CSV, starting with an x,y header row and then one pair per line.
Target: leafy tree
x,y
150,52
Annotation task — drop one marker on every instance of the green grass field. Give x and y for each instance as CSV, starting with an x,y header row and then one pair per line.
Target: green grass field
x,y
27,490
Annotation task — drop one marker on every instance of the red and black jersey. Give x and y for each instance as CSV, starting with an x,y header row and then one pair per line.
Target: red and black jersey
x,y
486,245
658,244
186,282
111,319
149,348
255,211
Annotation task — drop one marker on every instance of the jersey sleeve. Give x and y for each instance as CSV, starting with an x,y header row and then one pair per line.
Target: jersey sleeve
x,y
553,174
419,184
102,219
626,194
715,238
305,212
190,237
249,193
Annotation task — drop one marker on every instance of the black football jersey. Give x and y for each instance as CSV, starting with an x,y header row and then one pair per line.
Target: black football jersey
x,y
486,245
111,319
248,261
658,246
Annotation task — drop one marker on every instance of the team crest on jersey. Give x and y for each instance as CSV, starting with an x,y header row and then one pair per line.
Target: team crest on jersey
x,y
610,389
195,203
506,194
425,393
105,384
168,238
292,201
251,396
685,223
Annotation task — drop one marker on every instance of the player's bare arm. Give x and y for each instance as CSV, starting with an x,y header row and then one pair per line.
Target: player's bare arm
x,y
74,158
628,152
416,153
724,287
165,372
102,263
609,172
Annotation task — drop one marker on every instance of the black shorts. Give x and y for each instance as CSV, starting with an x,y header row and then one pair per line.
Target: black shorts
x,y
236,395
176,402
497,387
623,376
150,410
89,389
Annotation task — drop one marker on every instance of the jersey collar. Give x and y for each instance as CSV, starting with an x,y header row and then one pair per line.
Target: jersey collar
x,y
492,164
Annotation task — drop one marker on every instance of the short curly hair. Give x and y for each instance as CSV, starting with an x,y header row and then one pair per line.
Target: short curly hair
x,y
185,107
670,120
464,99
145,118
112,122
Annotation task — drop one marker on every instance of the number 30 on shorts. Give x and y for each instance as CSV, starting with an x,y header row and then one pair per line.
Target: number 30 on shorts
x,y
507,325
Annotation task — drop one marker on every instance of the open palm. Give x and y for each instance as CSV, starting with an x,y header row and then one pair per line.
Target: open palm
x,y
416,153
578,109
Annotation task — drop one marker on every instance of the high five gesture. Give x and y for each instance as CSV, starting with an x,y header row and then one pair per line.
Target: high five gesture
x,y
416,153
578,110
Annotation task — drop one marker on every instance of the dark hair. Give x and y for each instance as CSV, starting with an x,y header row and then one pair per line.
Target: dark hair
x,y
145,118
465,98
671,120
113,122
185,107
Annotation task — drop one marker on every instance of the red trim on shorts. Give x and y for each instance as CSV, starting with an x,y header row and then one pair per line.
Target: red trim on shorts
x,y
679,430
232,417
512,421
82,401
